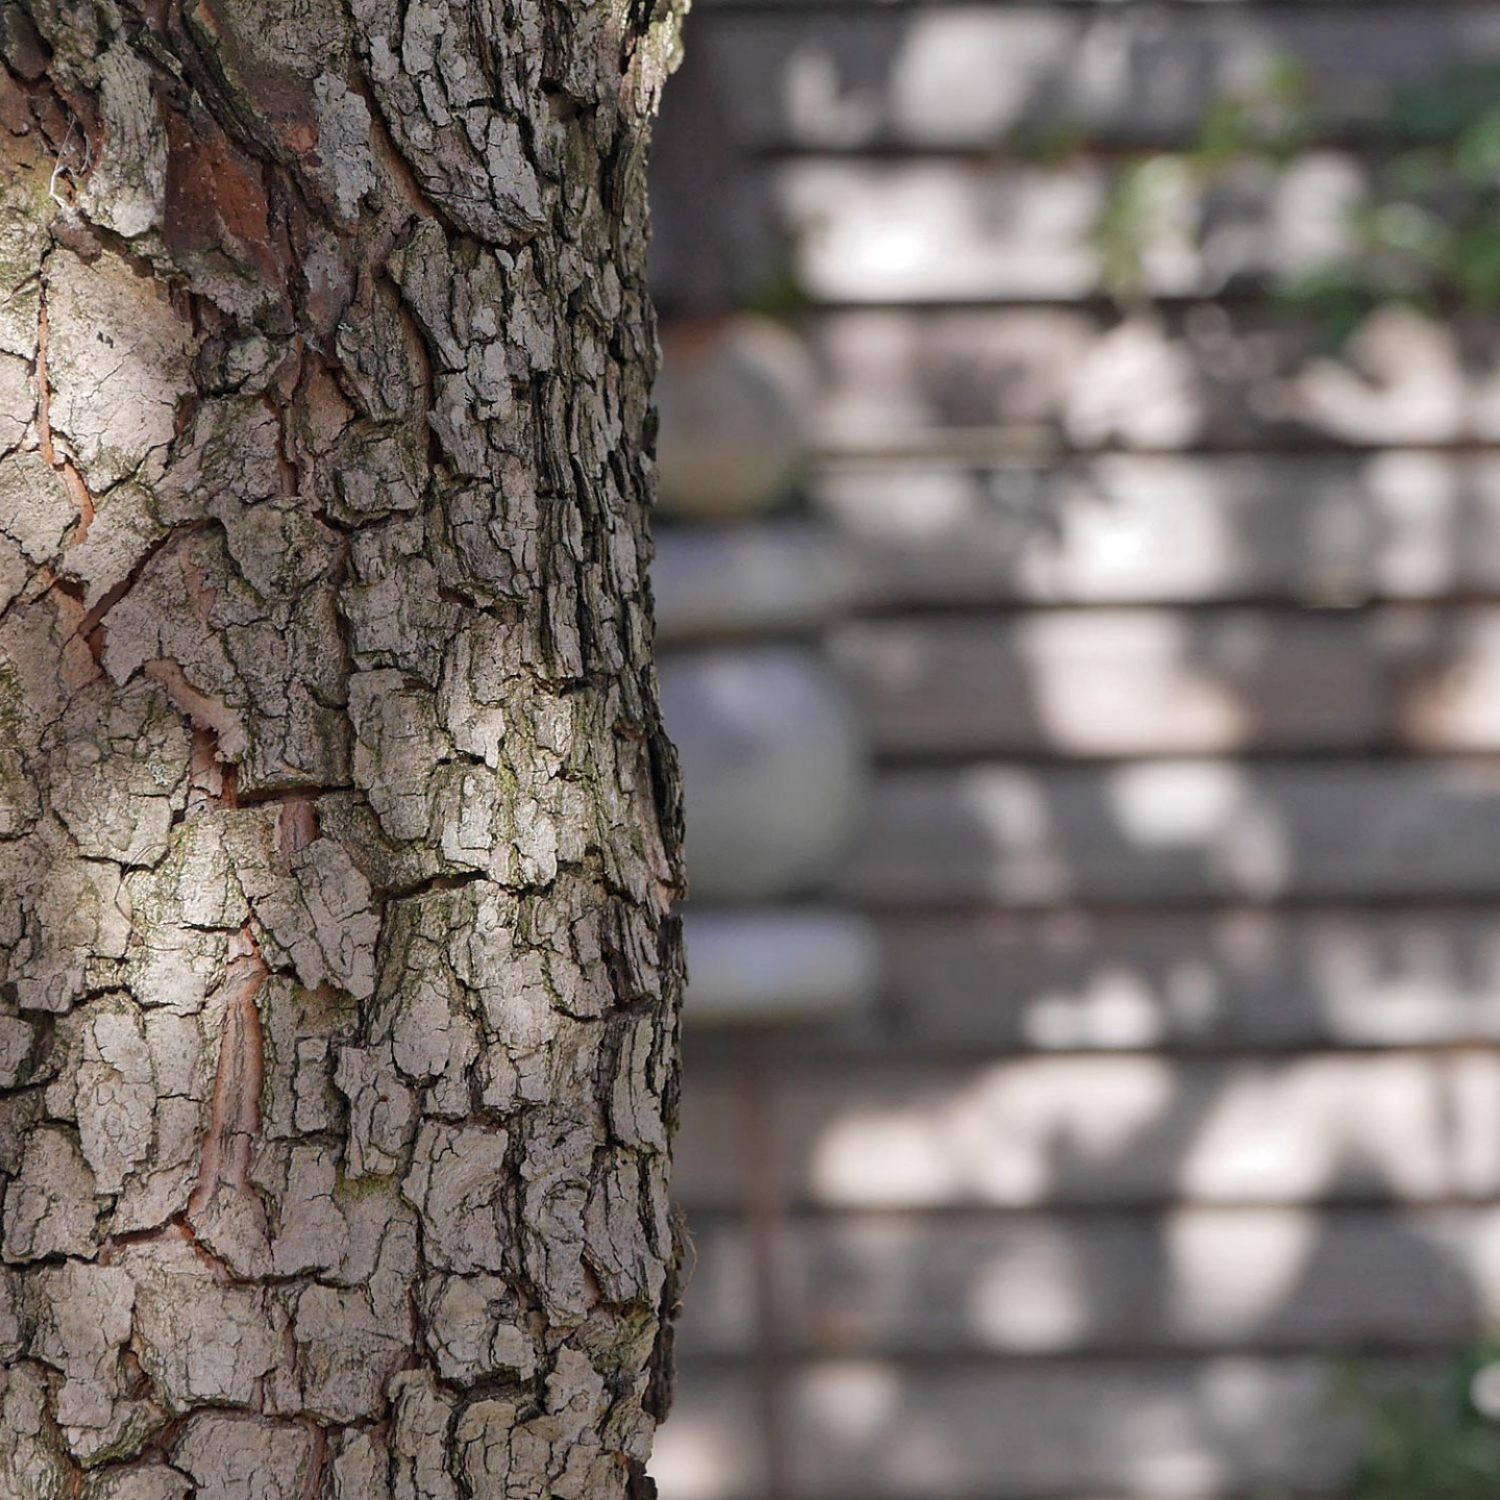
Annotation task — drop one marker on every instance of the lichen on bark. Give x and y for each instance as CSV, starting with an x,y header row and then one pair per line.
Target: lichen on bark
x,y
338,832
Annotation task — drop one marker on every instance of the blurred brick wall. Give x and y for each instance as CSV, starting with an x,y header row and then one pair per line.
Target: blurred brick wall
x,y
1173,647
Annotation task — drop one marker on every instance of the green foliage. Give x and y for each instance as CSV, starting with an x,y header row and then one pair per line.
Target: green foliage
x,y
1274,121
1269,126
1125,225
778,293
1433,1442
1427,233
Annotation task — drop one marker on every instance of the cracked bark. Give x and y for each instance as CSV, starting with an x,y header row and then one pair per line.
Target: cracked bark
x,y
338,1035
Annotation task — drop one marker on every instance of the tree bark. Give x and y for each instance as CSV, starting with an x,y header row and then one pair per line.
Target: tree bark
x,y
338,986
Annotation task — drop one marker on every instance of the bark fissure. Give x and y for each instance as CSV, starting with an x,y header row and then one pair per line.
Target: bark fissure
x,y
338,986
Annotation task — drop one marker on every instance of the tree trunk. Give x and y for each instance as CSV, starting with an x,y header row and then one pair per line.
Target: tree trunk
x,y
337,828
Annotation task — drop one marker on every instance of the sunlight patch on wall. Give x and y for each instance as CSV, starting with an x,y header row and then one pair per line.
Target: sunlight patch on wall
x,y
852,1401
1010,807
1105,680
699,1457
1001,1139
1117,1008
1034,1296
1228,1275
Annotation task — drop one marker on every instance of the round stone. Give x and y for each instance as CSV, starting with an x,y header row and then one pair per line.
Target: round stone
x,y
773,768
734,398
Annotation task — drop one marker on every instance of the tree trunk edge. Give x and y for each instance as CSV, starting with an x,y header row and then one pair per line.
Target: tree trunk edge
x,y
339,832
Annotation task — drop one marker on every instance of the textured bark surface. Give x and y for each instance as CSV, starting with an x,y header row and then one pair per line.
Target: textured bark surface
x,y
337,828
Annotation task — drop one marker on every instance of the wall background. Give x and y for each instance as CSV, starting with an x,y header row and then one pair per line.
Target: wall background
x,y
1172,633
